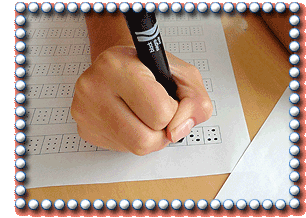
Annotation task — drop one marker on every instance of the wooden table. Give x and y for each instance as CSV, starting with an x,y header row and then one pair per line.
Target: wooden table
x,y
260,63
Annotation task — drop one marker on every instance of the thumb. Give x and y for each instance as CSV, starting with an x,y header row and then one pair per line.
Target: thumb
x,y
194,106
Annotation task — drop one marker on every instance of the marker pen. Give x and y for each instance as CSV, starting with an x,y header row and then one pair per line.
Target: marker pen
x,y
148,42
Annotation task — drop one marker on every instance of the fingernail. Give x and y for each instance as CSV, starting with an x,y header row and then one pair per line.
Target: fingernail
x,y
182,130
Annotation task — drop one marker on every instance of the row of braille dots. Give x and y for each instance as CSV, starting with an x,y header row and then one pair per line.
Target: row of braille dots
x,y
151,204
294,98
163,7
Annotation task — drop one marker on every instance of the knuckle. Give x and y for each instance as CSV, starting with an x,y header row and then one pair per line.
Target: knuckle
x,y
206,107
162,120
143,147
83,84
193,68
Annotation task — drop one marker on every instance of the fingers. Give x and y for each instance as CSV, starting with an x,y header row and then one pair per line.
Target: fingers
x,y
137,87
95,139
105,120
195,105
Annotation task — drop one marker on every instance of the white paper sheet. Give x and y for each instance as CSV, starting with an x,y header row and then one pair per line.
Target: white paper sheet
x,y
58,52
263,171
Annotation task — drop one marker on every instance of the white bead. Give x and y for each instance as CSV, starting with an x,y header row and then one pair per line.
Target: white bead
x,y
163,204
294,20
215,7
294,111
33,7
59,204
294,33
280,7
163,7
20,203
20,190
294,124
294,85
20,85
228,204
202,7
59,7
20,124
20,59
241,204
189,204
294,137
46,204
189,7
254,7
111,204
98,7
46,7
20,20
72,7
294,98
280,204
202,204
85,7
150,204
111,7
98,204
294,7
176,204
20,111
20,72
294,176
124,204
294,72
20,46
20,33
124,7
72,204
267,7
294,59
294,203
241,7
228,7
294,163
150,7
176,7
85,204
294,46
137,204
20,137
137,7
20,98
294,150
20,150
254,204
215,204
20,176
20,7
33,204
294,190
20,163
267,204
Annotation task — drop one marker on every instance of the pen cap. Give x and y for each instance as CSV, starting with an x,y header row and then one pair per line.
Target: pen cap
x,y
148,42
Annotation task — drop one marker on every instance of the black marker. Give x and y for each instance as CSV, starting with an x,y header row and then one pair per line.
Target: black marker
x,y
147,40
150,49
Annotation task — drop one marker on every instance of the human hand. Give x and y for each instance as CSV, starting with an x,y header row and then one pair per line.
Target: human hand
x,y
120,106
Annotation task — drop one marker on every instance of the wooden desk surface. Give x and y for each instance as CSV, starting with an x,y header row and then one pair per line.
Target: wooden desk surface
x,y
261,66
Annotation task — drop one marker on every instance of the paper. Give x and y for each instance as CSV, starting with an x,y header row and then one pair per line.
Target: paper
x,y
58,52
263,171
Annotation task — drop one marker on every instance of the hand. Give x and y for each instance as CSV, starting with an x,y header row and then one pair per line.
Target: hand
x,y
120,106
